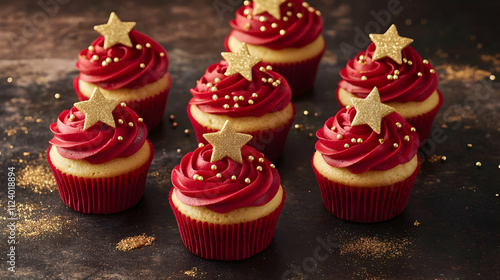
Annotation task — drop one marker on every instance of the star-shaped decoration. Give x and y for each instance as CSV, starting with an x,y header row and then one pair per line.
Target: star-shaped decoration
x,y
370,110
240,62
115,31
227,143
270,6
98,109
390,44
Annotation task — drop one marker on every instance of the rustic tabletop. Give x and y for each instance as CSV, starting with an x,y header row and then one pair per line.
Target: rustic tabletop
x,y
449,230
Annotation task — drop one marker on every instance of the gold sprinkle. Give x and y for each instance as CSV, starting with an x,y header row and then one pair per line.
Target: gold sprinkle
x,y
318,13
272,165
95,57
405,60
306,112
262,28
236,105
104,63
407,138
246,3
195,177
142,65
109,60
213,88
138,46
478,164
410,62
285,18
269,68
120,121
209,85
399,125
218,175
364,78
395,145
215,97
395,77
443,158
381,141
311,9
353,140
255,95
247,180
289,5
305,4
148,45
131,124
91,48
120,138
201,145
339,136
227,97
413,129
71,117
226,106
235,98
274,25
419,74
360,140
282,32
333,128
389,77
57,96
246,12
247,26
262,19
250,102
469,146
179,151
289,13
171,118
492,77
213,167
261,159
346,145
233,178
416,223
200,178
162,54
251,158
299,15
9,80
259,168
425,61
264,80
186,131
270,80
396,72
432,71
116,59
131,243
262,69
217,80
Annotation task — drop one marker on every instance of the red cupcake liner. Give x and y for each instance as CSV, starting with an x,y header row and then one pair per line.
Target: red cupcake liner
x,y
270,142
151,109
102,195
299,75
226,242
423,122
365,205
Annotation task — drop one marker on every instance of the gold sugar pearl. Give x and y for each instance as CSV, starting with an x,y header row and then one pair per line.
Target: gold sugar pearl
x,y
120,121
95,57
395,145
120,138
246,3
215,97
140,120
246,12
209,85
396,72
364,78
247,180
261,159
282,32
218,175
360,141
213,88
195,177
289,13
123,104
162,54
346,145
259,168
251,158
264,80
339,136
186,131
91,48
407,138
443,158
57,96
138,46
255,95
235,98
236,105
272,166
306,112
361,57
148,45
425,61
241,97
432,71
201,145
275,84
285,18
399,125
109,60
262,28
289,5
353,140
478,164
410,62
234,178
217,80
200,178
142,65
226,106
413,129
131,124
270,80
104,63
381,141
213,167
299,15
347,107
419,74
311,9
389,77
395,77
318,13
227,97
262,19
269,68
274,25
71,117
262,69
305,4
333,128
116,59
250,102
405,60
278,81
469,146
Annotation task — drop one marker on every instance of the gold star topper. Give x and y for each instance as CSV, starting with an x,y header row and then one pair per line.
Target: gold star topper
x,y
270,6
390,44
115,31
370,110
98,109
240,62
227,143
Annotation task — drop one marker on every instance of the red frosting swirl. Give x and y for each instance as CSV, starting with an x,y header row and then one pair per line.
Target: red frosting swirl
x,y
126,72
231,90
220,193
301,24
408,86
369,154
98,143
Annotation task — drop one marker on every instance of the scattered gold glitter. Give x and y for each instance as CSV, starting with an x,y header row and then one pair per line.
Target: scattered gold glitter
x,y
240,62
97,108
390,44
416,223
193,272
115,31
434,158
131,243
443,158
227,143
469,146
374,248
370,110
463,73
57,96
37,177
270,6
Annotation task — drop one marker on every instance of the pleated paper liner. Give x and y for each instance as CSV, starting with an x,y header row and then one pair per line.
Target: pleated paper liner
x,y
270,142
102,195
151,109
365,205
423,122
226,242
299,75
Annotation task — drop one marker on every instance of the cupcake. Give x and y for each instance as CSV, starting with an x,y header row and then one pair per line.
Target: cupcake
x,y
405,81
126,65
254,98
226,197
100,156
285,34
366,161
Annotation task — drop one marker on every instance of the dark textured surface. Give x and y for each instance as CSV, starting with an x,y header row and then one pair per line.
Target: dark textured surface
x,y
455,202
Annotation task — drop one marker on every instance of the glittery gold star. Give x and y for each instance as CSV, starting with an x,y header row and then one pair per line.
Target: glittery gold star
x,y
115,31
370,110
240,62
227,143
98,109
270,6
390,44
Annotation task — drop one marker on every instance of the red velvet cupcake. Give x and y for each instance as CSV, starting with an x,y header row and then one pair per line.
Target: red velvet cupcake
x,y
285,34
366,161
226,198
257,102
404,80
100,156
127,65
